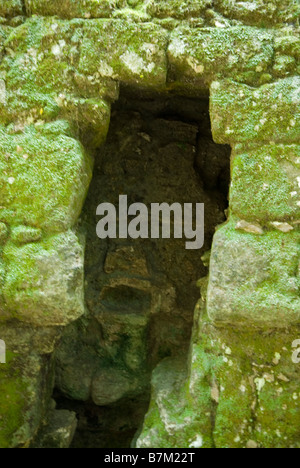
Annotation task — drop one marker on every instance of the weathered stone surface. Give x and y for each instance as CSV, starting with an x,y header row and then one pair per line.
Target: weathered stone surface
x,y
176,8
74,8
171,421
199,56
241,391
25,389
42,81
3,232
253,279
267,114
24,339
266,184
11,8
25,234
43,180
259,12
3,35
58,79
44,281
111,385
126,52
59,431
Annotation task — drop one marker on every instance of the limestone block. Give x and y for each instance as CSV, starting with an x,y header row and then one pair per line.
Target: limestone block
x,y
59,431
128,52
44,281
242,391
198,55
266,184
111,385
43,180
172,419
177,8
74,8
40,81
26,381
253,278
273,13
242,114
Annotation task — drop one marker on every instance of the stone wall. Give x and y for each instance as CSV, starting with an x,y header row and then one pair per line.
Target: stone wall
x,y
62,65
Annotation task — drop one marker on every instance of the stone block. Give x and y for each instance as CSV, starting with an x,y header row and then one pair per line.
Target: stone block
x,y
241,114
254,280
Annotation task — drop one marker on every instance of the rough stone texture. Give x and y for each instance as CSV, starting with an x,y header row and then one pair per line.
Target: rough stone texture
x,y
11,8
61,67
59,431
44,281
257,12
74,8
265,184
274,13
238,390
241,114
199,55
33,165
254,278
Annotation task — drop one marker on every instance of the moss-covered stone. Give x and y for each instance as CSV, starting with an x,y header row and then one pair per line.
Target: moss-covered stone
x,y
254,280
43,180
177,8
3,232
242,391
172,419
74,8
44,281
25,234
267,114
265,184
288,43
41,81
259,12
130,53
202,55
11,8
51,71
25,381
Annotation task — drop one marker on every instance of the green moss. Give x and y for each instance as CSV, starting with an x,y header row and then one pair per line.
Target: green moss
x,y
234,392
34,166
261,280
12,400
74,8
264,184
43,282
197,55
258,12
177,9
11,8
131,53
24,234
285,66
242,114
3,232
